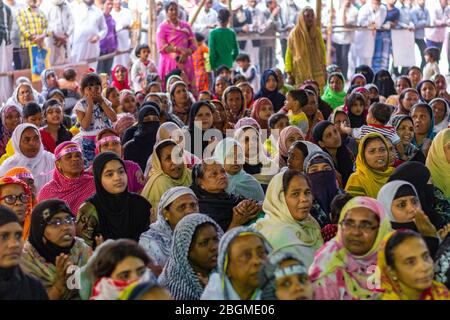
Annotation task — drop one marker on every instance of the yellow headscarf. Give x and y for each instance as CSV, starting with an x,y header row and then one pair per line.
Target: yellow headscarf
x,y
366,181
308,52
438,164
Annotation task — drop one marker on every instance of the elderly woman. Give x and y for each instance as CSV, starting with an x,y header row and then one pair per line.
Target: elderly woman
x,y
175,203
23,94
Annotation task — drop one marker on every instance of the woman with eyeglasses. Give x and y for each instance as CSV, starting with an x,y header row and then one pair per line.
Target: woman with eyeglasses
x,y
53,252
344,268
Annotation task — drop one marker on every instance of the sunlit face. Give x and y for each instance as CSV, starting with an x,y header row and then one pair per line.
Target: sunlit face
x,y
52,80
404,208
71,164
114,177
336,84
63,234
358,107
54,115
179,208
298,198
406,131
129,104
339,119
293,137
428,91
410,99
114,97
376,155
415,76
422,120
180,96
19,207
291,104
248,93
24,95
220,87
359,81
35,119
320,167
265,111
293,287
392,153
331,138
205,116
111,146
439,111
172,12
11,245
359,230
234,161
295,159
129,269
441,83
310,109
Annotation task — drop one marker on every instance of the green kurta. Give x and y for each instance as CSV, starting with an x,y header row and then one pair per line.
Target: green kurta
x,y
223,47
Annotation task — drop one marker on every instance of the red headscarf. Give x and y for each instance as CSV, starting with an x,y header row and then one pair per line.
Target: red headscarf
x,y
125,84
257,105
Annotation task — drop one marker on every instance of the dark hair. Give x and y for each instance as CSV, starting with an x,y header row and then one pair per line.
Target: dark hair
x,y
394,241
199,37
198,170
352,98
381,112
105,131
299,145
205,92
274,118
243,57
48,104
109,90
90,79
422,105
238,78
70,74
162,145
55,91
289,174
223,15
405,91
406,79
31,109
300,96
336,205
169,4
111,254
139,48
414,68
433,52
221,68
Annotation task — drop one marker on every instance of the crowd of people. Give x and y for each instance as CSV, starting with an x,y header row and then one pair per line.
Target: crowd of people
x,y
168,181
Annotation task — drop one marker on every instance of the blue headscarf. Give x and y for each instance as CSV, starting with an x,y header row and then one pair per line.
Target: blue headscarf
x,y
275,97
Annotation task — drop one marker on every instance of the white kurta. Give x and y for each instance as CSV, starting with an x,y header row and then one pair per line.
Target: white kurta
x,y
89,22
123,20
60,23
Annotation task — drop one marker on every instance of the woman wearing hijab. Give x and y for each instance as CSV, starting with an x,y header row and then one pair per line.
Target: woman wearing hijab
x,y
234,102
334,93
342,267
201,126
372,167
269,90
52,248
70,183
181,100
288,136
23,94
112,212
10,118
49,81
438,162
26,176
404,126
414,282
323,106
406,100
298,153
441,112
366,71
29,153
140,147
229,282
358,80
120,78
262,109
15,284
193,257
427,91
384,83
288,224
423,120
230,154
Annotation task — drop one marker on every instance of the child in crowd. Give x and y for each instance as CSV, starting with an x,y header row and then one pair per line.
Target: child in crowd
x,y
248,70
199,59
112,94
69,80
225,72
432,67
295,101
277,122
141,67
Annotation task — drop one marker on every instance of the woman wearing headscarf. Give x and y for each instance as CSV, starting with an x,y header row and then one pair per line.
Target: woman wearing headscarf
x,y
191,261
414,282
384,83
305,54
262,109
340,118
30,154
229,282
15,284
372,167
26,176
441,111
342,267
234,103
438,162
120,78
181,100
358,80
230,154
11,117
427,91
175,203
406,100
23,94
49,81
249,93
54,128
288,224
269,90
334,93
123,123
404,127
112,212
288,136
298,153
366,71
423,120
140,147
401,83
201,126
70,182
52,248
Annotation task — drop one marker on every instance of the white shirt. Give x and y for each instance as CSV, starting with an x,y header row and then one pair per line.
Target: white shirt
x,y
204,19
438,16
345,36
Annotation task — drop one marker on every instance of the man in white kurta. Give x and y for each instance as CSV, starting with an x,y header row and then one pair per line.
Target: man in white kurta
x,y
122,17
206,20
90,28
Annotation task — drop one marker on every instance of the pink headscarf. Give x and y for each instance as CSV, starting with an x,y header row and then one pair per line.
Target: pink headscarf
x,y
124,121
73,191
284,135
247,121
257,105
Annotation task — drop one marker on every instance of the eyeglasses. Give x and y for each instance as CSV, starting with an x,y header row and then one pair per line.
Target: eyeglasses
x,y
12,198
60,222
365,227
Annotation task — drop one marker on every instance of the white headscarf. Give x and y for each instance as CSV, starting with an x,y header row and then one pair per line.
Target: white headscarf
x,y
14,99
387,193
40,166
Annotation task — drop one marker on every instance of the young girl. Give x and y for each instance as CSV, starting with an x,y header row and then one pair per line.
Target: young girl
x,y
432,67
128,102
295,101
112,94
199,58
354,107
261,112
141,67
69,80
54,131
94,113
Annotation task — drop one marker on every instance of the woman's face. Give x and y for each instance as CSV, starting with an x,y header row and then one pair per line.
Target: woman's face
x,y
220,87
373,93
54,115
336,84
24,95
271,83
19,207
111,146
359,81
234,102
180,96
339,119
441,83
359,230
293,287
298,198
214,179
234,161
129,269
376,155
30,142
265,112
295,159
12,120
179,208
439,110
292,138
415,76
60,230
428,91
155,88
71,164
392,153
404,208
310,108
410,99
172,12
114,177
331,138
406,131
401,85
204,248
52,80
114,98
129,104
358,107
413,265
205,116
422,120
309,17
320,167
11,245
173,169
221,115
120,74
248,93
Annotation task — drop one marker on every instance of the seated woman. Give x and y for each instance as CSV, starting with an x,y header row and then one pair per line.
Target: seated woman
x,y
404,127
269,89
403,280
52,248
285,277
175,203
441,112
109,140
334,93
401,83
237,278
262,109
16,195
372,167
112,212
288,224
11,117
230,154
406,100
438,162
248,92
427,91
209,182
343,266
54,132
70,183
234,102
181,100
168,170
288,136
26,176
24,93
193,257
423,120
15,284
220,117
312,112
298,152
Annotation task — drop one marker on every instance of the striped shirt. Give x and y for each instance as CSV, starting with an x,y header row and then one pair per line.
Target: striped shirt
x,y
386,131
31,23
5,24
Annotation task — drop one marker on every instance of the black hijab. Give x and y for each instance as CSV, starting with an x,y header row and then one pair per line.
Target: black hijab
x,y
418,175
196,132
141,146
366,71
40,216
275,96
385,84
124,215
